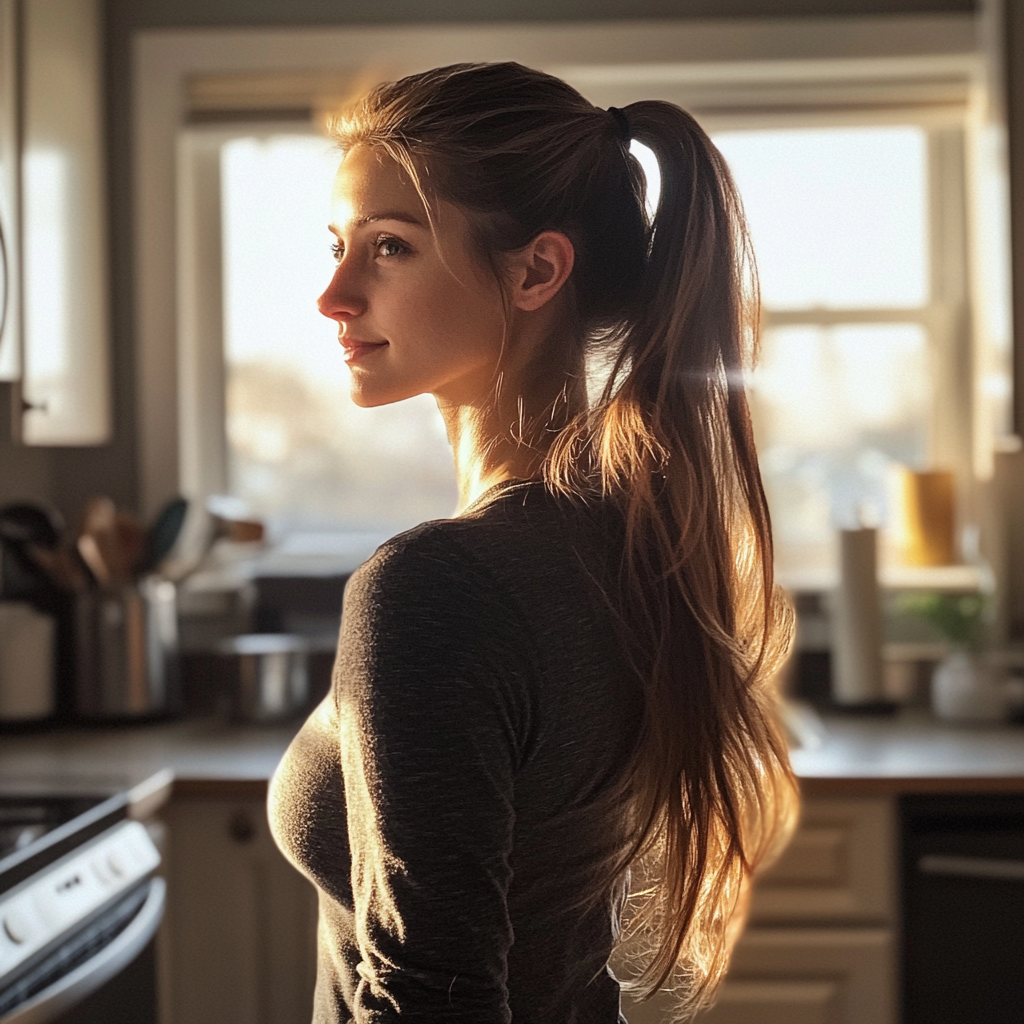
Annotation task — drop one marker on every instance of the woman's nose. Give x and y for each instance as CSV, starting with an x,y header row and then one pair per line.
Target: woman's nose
x,y
343,298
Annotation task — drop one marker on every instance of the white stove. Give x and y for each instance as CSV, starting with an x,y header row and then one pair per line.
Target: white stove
x,y
78,900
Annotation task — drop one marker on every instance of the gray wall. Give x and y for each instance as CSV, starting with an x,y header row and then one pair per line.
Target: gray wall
x,y
67,476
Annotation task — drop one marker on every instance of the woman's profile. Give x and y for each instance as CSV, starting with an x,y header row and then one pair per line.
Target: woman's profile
x,y
550,730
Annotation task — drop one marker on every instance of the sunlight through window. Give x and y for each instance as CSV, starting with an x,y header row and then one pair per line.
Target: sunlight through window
x,y
300,453
844,390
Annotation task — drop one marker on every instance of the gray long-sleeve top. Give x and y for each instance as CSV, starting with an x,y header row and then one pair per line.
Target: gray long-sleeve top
x,y
451,797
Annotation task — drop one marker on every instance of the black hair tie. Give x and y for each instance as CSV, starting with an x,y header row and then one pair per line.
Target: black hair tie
x,y
622,124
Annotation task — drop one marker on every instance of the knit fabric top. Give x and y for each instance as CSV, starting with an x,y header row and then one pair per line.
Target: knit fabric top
x,y
453,798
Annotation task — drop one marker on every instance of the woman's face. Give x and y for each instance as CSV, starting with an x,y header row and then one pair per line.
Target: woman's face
x,y
417,311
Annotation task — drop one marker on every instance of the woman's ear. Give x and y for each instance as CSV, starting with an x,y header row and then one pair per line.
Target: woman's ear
x,y
537,272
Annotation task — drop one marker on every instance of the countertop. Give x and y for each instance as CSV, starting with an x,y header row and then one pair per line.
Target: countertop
x,y
205,755
905,753
910,752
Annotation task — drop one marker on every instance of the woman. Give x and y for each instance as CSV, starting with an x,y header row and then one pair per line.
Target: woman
x,y
572,676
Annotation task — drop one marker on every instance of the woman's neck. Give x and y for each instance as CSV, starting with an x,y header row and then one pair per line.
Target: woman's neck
x,y
508,435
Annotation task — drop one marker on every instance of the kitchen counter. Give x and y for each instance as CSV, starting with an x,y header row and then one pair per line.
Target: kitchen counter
x,y
845,755
910,752
205,755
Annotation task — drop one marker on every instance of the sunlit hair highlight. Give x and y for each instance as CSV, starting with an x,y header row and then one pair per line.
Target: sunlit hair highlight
x,y
669,307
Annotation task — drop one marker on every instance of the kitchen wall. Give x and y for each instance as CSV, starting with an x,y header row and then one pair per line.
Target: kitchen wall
x,y
66,476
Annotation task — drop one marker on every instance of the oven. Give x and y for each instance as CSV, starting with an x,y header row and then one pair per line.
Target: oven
x,y
80,905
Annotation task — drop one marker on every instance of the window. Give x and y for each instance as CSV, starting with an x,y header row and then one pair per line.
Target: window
x,y
845,389
842,224
853,174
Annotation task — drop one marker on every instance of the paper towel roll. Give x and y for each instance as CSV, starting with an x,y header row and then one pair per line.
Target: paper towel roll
x,y
857,621
26,662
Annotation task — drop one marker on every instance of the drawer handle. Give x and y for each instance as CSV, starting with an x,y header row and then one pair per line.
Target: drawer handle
x,y
972,867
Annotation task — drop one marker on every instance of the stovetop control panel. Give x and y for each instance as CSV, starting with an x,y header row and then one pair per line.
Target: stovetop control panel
x,y
66,894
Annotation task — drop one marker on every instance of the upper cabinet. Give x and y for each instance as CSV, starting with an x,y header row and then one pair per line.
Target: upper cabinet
x,y
54,183
10,289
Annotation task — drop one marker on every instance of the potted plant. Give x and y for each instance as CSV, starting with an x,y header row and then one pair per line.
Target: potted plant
x,y
965,687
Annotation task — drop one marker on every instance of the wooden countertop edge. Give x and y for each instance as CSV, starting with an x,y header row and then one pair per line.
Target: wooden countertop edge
x,y
894,785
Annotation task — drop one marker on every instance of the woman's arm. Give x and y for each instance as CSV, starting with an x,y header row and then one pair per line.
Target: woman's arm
x,y
433,693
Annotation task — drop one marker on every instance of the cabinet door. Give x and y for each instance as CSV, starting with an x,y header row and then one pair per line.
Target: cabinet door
x,y
239,939
798,976
838,868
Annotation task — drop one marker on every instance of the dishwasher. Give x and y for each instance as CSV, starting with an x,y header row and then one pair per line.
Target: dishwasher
x,y
963,909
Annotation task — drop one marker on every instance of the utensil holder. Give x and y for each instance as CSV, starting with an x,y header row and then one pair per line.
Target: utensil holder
x,y
126,651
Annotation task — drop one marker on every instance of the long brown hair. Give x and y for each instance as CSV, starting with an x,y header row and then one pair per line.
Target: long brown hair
x,y
669,303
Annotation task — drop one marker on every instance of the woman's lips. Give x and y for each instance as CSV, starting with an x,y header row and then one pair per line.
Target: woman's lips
x,y
354,349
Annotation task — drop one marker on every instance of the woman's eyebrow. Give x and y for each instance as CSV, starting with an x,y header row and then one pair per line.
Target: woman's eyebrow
x,y
399,215
402,216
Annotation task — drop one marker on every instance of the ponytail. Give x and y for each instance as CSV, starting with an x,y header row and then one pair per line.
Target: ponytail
x,y
671,440
670,305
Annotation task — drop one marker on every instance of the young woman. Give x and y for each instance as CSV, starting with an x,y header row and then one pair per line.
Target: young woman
x,y
571,678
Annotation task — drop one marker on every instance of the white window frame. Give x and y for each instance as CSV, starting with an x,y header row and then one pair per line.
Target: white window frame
x,y
945,316
782,72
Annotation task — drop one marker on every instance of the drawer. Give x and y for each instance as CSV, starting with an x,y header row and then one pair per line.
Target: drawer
x,y
839,866
797,976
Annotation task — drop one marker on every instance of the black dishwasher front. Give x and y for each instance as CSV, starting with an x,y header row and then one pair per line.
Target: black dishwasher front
x,y
963,909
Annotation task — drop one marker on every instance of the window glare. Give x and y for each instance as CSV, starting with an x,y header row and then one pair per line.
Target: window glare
x,y
300,453
838,216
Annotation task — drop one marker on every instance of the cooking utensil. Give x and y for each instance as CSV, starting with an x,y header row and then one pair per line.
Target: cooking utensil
x,y
130,537
100,551
163,533
94,560
116,542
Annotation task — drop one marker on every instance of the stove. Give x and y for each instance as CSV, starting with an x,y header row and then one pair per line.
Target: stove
x,y
78,900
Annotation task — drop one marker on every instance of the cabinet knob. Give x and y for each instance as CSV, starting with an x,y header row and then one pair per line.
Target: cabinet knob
x,y
241,827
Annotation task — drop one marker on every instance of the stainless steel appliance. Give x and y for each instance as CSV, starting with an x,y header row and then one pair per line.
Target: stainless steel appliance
x,y
78,900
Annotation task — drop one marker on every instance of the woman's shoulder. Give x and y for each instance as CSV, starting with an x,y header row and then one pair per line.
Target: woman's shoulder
x,y
516,543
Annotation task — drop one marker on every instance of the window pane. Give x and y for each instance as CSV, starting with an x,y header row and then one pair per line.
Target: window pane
x,y
834,409
838,215
300,452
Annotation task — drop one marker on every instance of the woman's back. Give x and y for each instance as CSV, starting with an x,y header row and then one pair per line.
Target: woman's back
x,y
461,785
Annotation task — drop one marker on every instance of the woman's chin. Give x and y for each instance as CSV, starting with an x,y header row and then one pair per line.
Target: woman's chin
x,y
368,397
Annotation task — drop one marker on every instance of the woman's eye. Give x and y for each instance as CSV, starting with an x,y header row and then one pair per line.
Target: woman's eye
x,y
390,247
338,250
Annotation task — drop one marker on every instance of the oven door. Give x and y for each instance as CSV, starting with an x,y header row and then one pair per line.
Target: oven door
x,y
89,959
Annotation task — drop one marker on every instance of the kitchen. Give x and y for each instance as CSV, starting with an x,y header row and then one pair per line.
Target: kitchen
x,y
825,938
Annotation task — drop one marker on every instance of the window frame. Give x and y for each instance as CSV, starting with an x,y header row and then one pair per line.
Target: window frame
x,y
729,74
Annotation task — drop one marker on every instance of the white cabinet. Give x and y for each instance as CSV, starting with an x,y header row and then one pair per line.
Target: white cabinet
x,y
239,939
54,338
820,944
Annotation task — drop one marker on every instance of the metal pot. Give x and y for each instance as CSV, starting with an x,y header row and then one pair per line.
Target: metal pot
x,y
269,676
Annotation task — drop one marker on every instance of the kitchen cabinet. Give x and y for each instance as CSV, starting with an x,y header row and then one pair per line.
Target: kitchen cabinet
x,y
238,945
55,340
820,946
240,937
